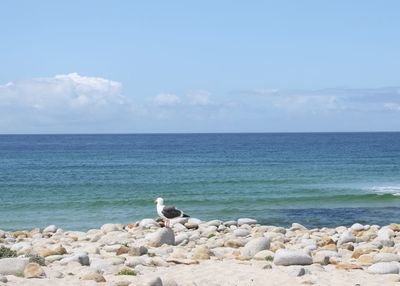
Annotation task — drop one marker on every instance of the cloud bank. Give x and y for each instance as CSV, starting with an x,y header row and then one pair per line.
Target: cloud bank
x,y
72,103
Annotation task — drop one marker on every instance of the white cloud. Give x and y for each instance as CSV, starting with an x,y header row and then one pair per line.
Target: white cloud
x,y
199,98
392,106
70,91
67,100
166,99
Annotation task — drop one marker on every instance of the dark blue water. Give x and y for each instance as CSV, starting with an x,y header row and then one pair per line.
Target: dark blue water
x,y
83,181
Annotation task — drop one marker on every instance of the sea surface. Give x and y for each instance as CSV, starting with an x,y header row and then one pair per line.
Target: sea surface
x,y
83,181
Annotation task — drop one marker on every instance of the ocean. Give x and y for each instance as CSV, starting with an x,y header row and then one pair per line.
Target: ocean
x,y
83,181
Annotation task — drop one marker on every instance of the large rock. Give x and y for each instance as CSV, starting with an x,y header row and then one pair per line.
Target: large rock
x,y
50,229
161,236
33,270
243,221
13,266
357,227
297,226
255,245
384,268
386,257
287,257
346,237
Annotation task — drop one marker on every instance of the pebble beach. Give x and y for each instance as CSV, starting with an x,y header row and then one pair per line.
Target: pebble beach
x,y
195,252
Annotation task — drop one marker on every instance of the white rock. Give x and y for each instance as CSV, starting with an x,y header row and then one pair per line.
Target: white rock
x,y
179,227
384,268
249,221
215,223
385,233
135,261
230,223
264,255
357,227
346,236
148,222
154,282
193,220
221,227
386,257
328,253
162,236
51,228
297,226
241,232
13,266
82,258
169,282
292,257
181,220
108,227
255,245
181,238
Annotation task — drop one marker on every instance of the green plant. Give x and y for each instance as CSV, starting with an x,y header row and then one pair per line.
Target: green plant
x,y
127,271
152,263
211,235
36,259
6,252
269,258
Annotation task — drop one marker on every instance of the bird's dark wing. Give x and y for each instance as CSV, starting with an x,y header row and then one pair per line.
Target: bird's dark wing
x,y
171,212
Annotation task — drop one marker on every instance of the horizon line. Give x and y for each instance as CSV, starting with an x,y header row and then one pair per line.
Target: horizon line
x,y
198,133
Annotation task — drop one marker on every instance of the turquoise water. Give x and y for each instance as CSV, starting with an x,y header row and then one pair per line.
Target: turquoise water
x,y
83,181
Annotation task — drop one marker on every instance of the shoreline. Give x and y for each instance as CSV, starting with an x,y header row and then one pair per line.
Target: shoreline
x,y
194,252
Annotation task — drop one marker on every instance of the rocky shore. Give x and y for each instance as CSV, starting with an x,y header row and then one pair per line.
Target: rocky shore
x,y
194,252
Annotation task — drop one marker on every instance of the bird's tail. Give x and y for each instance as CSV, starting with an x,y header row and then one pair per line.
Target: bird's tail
x,y
185,215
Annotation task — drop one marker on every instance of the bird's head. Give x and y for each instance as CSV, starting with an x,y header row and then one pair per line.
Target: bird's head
x,y
159,201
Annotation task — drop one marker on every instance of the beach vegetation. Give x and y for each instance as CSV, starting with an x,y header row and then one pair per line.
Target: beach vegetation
x,y
211,235
35,258
6,252
127,271
269,258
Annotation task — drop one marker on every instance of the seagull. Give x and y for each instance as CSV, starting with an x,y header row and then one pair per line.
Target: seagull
x,y
168,212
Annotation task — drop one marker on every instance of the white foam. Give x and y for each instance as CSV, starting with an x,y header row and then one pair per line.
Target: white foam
x,y
382,190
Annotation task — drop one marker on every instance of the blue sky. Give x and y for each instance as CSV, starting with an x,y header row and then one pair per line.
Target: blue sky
x,y
210,66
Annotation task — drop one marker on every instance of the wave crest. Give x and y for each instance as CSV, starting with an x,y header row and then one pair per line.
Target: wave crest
x,y
382,190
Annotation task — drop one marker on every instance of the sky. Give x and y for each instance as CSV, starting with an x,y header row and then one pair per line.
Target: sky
x,y
98,66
